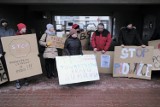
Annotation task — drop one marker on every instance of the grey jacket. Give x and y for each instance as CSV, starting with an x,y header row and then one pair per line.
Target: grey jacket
x,y
50,51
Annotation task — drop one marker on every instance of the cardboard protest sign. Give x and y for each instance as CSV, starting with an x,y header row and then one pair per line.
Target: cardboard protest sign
x,y
76,69
155,43
156,60
133,61
104,61
21,56
85,40
3,75
58,42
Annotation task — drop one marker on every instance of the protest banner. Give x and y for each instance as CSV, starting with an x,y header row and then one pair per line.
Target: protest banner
x,y
3,75
104,61
155,43
76,69
58,42
133,61
85,40
21,56
156,60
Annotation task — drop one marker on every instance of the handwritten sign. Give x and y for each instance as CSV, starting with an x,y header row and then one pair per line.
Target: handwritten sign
x,y
156,60
3,75
104,61
155,43
58,42
85,40
21,56
133,61
76,69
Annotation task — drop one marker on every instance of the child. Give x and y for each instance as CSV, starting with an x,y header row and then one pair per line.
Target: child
x,y
73,44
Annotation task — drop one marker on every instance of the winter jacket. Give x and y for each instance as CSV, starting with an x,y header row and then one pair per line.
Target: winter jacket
x,y
4,32
129,37
50,51
101,41
72,46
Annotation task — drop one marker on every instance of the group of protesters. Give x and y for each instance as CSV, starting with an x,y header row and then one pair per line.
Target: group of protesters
x,y
100,41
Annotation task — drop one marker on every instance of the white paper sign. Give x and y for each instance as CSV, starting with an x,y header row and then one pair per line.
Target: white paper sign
x,y
105,61
76,69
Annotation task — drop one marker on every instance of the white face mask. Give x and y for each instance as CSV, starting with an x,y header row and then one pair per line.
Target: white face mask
x,y
74,35
23,30
130,26
4,24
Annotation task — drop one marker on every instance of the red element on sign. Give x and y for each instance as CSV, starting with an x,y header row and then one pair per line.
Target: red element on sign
x,y
158,46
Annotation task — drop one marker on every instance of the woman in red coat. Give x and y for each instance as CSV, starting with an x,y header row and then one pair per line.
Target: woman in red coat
x,y
101,39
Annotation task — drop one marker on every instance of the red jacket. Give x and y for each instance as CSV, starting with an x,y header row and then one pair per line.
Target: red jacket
x,y
101,41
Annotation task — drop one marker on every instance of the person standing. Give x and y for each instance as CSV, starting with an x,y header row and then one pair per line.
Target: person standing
x,y
5,30
101,39
73,44
50,51
129,36
21,30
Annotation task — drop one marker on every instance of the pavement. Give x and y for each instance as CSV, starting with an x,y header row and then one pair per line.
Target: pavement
x,y
107,92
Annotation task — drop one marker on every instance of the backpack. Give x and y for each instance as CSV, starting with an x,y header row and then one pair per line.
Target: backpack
x,y
42,48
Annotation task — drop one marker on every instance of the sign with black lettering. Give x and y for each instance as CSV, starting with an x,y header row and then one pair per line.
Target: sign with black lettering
x,y
155,43
156,60
133,61
3,75
21,56
76,69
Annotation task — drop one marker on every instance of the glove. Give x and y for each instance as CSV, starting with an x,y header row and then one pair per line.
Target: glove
x,y
49,43
38,55
3,53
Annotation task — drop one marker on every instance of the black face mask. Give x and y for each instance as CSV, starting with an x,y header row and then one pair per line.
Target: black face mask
x,y
78,31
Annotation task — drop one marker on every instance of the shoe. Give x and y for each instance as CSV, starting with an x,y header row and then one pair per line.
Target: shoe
x,y
18,86
26,83
49,76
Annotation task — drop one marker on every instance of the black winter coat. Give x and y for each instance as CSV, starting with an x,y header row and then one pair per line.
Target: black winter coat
x,y
129,37
73,46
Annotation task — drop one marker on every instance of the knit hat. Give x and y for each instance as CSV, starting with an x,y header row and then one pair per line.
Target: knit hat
x,y
72,31
21,26
75,26
49,26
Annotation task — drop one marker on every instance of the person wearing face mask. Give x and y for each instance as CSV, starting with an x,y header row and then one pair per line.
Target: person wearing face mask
x,y
21,30
101,39
76,27
73,44
129,36
5,31
50,51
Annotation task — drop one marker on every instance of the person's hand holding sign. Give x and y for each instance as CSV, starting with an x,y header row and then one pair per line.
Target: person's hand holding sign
x,y
49,44
143,46
95,49
122,46
103,52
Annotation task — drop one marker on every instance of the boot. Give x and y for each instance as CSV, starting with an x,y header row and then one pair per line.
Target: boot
x,y
18,86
